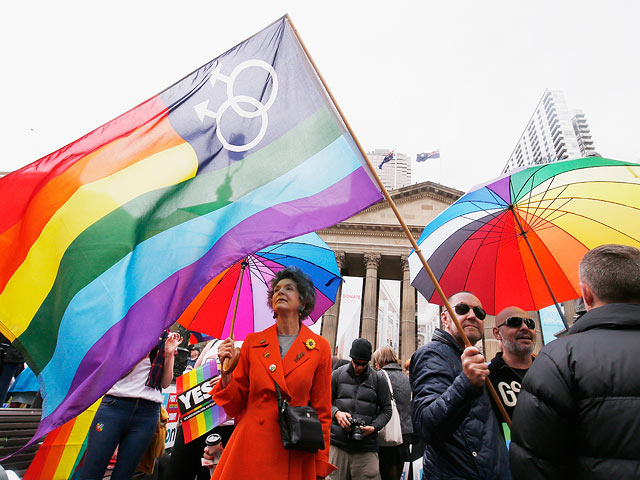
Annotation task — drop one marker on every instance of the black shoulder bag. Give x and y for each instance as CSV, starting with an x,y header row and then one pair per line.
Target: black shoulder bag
x,y
300,427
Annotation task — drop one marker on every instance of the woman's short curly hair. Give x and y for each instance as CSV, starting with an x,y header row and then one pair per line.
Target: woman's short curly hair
x,y
303,284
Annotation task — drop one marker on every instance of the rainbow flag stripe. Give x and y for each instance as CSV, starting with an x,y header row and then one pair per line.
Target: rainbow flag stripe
x,y
194,377
62,449
112,236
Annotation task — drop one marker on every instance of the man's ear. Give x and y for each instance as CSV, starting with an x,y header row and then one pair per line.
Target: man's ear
x,y
444,320
496,333
588,296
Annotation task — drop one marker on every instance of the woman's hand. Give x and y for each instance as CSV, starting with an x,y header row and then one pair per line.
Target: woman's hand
x,y
226,351
170,351
171,344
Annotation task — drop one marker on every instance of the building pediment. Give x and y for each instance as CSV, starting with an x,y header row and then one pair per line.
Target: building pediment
x,y
418,204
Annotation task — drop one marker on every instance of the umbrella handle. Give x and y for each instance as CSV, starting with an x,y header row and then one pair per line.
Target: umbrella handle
x,y
230,364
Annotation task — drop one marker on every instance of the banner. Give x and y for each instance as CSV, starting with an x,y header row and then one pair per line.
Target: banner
x,y
198,412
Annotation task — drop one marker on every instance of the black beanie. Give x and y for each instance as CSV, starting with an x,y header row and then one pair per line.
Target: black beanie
x,y
360,349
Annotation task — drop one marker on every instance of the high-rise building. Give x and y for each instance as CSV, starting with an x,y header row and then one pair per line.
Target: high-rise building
x,y
394,174
553,133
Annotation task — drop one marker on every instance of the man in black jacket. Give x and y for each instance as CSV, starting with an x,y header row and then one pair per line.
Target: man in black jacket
x,y
577,413
516,332
451,409
361,407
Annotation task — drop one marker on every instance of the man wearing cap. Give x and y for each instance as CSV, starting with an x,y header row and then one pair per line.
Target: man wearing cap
x,y
361,407
451,409
516,332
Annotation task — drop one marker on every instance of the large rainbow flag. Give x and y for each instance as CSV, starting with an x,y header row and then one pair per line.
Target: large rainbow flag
x,y
105,242
62,449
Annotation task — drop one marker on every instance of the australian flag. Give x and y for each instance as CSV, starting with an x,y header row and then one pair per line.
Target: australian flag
x,y
386,159
422,157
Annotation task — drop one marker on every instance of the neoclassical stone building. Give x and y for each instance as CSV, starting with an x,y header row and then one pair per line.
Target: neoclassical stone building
x,y
372,245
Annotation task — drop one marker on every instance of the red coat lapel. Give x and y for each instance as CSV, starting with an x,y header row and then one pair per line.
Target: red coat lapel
x,y
269,353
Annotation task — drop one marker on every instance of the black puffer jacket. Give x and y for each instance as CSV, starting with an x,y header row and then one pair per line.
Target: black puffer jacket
x,y
578,413
365,397
454,417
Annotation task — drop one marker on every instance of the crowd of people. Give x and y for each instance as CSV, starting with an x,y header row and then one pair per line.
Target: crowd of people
x,y
573,405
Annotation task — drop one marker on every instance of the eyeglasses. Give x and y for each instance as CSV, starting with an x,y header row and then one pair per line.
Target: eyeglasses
x,y
360,363
516,322
463,309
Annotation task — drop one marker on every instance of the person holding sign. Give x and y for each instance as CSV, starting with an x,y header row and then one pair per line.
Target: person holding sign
x,y
186,454
300,362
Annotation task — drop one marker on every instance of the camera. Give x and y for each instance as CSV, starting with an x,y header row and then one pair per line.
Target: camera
x,y
356,428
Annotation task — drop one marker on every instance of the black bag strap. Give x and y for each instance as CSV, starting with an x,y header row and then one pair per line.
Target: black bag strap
x,y
279,395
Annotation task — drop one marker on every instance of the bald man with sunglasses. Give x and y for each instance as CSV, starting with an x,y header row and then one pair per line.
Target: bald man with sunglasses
x,y
451,409
516,332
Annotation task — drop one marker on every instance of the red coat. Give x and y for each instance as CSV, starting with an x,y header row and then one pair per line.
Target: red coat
x,y
304,375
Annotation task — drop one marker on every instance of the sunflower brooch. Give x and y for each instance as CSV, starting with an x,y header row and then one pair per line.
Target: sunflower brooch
x,y
310,343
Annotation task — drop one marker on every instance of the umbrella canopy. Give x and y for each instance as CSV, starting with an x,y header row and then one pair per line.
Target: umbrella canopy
x,y
497,239
211,312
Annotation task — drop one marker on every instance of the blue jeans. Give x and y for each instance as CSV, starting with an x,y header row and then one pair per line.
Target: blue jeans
x,y
127,422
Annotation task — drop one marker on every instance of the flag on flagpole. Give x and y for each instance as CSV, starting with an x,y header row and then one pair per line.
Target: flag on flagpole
x,y
107,240
387,158
422,157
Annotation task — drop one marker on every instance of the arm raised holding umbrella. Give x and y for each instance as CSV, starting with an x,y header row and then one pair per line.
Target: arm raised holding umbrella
x,y
295,358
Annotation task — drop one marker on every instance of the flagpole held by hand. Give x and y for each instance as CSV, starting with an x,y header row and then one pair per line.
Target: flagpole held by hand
x,y
406,230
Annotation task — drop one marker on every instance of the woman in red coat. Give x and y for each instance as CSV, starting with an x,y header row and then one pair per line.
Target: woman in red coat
x,y
300,362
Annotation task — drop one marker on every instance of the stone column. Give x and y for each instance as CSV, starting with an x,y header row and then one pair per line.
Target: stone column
x,y
330,317
370,307
408,313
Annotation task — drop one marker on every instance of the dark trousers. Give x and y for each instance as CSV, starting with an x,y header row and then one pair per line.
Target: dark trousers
x,y
128,423
392,459
186,458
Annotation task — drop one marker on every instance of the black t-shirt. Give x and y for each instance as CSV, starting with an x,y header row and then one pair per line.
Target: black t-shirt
x,y
507,381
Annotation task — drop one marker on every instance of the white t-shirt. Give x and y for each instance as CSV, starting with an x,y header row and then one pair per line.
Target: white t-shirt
x,y
133,385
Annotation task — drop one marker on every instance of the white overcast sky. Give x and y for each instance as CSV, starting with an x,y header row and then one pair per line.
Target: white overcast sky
x,y
461,76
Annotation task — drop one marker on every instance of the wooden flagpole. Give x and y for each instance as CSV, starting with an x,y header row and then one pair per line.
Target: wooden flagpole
x,y
392,204
229,365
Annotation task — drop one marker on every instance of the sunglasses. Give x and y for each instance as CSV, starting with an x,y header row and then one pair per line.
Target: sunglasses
x,y
463,309
360,363
516,322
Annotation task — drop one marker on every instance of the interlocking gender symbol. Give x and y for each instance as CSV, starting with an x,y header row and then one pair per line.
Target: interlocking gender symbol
x,y
234,101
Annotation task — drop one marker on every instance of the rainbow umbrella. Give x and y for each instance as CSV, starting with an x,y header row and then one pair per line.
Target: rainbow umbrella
x,y
518,240
242,292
